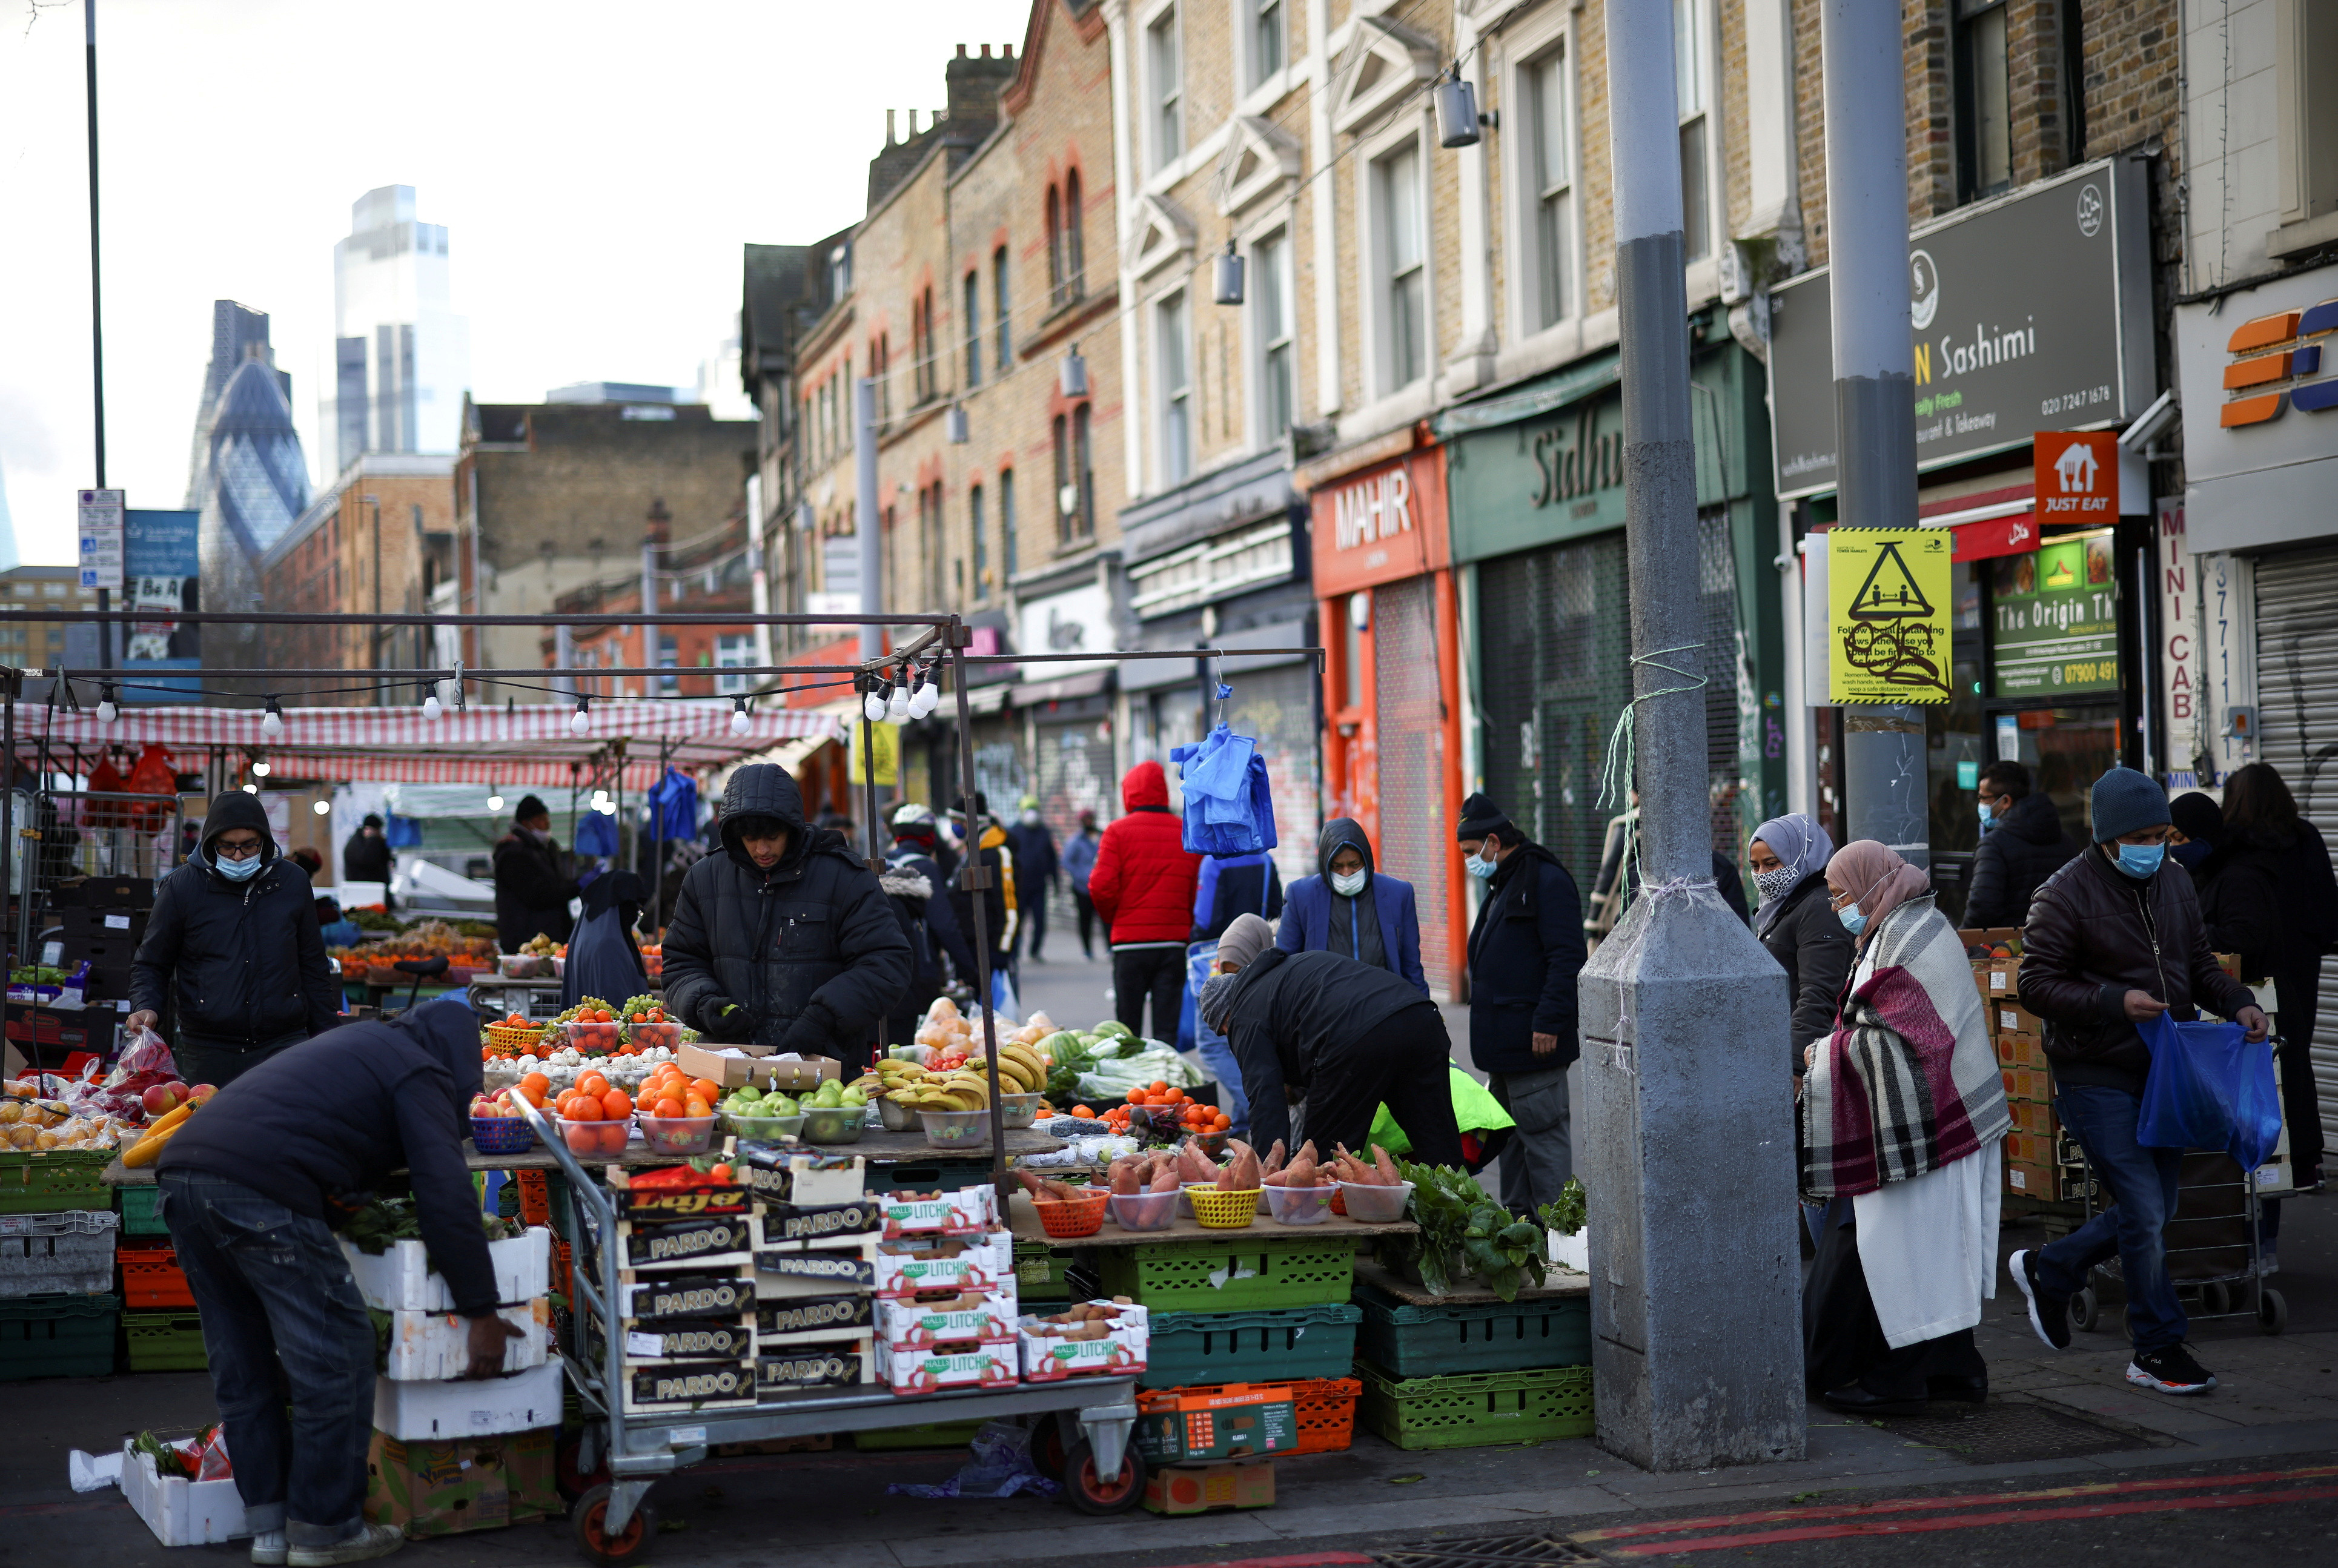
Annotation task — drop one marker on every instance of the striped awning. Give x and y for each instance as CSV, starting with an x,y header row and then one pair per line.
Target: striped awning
x,y
530,746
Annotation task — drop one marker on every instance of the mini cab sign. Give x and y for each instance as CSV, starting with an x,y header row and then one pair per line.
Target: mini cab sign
x,y
2077,474
1887,638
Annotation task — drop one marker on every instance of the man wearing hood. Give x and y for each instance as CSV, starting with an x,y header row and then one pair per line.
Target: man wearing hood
x,y
533,882
2022,843
1353,908
1033,847
1143,883
234,943
784,939
984,844
252,1187
1525,951
919,895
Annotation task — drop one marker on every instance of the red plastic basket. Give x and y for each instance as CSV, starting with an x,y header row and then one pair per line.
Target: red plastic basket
x,y
151,1278
1068,1222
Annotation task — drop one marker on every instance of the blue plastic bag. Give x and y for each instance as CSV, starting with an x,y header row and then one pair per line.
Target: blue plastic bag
x,y
1228,807
2209,1088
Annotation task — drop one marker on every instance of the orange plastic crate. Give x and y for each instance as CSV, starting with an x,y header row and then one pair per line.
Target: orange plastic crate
x,y
151,1278
535,1198
1326,1413
564,1257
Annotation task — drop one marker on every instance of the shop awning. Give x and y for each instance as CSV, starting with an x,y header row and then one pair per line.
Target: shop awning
x,y
531,746
1062,689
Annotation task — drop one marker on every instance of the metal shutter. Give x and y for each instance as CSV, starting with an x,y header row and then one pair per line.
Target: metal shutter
x,y
1414,837
2297,705
1276,707
1728,694
1075,767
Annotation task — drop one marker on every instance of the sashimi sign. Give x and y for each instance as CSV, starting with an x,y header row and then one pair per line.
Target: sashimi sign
x,y
1888,637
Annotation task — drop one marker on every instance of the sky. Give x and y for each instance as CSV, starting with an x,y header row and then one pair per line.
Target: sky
x,y
597,166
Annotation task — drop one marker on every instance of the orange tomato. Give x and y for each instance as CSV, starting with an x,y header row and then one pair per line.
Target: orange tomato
x,y
593,1083
538,1083
706,1089
487,1052
618,1104
668,1107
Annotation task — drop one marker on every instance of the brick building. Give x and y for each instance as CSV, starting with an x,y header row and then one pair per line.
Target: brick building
x,y
379,540
706,575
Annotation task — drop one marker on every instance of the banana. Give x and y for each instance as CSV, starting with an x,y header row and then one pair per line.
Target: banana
x,y
1025,1054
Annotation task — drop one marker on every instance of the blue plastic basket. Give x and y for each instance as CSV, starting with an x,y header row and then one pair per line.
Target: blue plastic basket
x,y
502,1135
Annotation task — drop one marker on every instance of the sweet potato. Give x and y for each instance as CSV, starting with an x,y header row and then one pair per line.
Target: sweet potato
x,y
1274,1179
1388,1176
1030,1184
1164,1178
1242,1172
1275,1158
1122,1176
1301,1171
1199,1168
1307,1153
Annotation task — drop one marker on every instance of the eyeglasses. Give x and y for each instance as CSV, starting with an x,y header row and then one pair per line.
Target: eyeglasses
x,y
244,850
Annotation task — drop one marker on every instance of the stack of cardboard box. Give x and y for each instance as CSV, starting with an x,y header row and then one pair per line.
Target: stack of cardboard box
x,y
815,1271
2033,1164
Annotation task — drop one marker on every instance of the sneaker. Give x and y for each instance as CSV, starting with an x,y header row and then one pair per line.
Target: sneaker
x,y
371,1541
268,1548
2171,1371
2049,1314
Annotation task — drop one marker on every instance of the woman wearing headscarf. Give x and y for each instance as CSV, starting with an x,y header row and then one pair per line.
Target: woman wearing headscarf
x,y
604,960
1903,1120
1789,855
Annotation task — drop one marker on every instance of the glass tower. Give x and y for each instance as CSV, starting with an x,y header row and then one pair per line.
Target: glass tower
x,y
401,357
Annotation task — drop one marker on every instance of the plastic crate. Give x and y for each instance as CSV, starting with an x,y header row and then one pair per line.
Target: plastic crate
x,y
66,1253
141,1213
1408,1341
1254,1271
1326,1413
58,1337
40,1181
151,1279
1298,1342
1475,1409
1039,1272
534,1197
933,1434
163,1341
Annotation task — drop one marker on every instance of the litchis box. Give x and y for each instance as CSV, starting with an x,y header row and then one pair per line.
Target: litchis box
x,y
781,1224
418,1411
1199,1488
399,1280
913,1371
969,1211
1051,1357
912,1267
183,1513
431,1347
929,1326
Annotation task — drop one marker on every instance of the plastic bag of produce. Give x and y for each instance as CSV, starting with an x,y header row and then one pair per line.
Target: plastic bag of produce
x,y
1113,1078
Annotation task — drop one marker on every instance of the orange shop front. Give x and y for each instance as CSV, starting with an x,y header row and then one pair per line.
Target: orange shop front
x,y
1392,702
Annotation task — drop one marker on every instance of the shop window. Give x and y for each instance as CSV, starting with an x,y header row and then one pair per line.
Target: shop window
x,y
1271,262
1550,181
1404,286
1692,51
1172,358
1984,137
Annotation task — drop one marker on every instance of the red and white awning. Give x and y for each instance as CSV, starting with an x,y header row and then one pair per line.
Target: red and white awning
x,y
530,746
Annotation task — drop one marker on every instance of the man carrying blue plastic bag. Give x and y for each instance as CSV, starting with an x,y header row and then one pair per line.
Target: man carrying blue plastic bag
x,y
2114,941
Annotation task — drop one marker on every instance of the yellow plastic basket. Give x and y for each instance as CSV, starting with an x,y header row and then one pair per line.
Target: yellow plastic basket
x,y
1217,1210
513,1037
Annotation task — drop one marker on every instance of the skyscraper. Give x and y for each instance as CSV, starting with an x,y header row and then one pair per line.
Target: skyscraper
x,y
401,357
237,333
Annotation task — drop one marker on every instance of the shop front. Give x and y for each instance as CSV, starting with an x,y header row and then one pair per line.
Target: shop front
x,y
1535,487
1064,707
1389,620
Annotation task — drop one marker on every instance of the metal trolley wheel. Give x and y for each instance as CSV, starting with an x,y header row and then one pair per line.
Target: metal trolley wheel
x,y
1092,1494
2272,1311
2085,1311
572,1481
629,1545
1049,1447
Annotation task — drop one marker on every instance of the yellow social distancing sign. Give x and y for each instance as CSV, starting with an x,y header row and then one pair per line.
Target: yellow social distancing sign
x,y
1888,633
885,742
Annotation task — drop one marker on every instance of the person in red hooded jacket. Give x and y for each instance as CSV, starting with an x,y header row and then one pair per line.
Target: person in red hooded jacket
x,y
1142,885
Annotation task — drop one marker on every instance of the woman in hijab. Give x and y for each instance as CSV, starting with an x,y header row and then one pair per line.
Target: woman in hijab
x,y
1903,1119
603,960
1788,854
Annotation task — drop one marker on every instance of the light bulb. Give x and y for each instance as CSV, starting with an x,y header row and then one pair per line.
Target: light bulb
x,y
259,769
873,705
925,699
738,716
607,808
322,808
272,721
106,711
251,789
495,802
430,707
580,720
898,709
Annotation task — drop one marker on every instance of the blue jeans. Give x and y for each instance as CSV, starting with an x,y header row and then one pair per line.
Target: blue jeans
x,y
2143,1189
275,1292
1216,1052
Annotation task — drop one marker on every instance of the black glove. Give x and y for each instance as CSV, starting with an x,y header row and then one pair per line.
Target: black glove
x,y
724,1021
813,1032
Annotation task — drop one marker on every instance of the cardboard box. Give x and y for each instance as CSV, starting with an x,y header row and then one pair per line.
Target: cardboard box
x,y
732,1065
667,1297
2029,1084
697,1340
2022,1051
699,1244
181,1513
1050,1357
1199,1488
1999,979
2031,1116
684,1385
908,1370
986,1263
399,1280
105,893
435,1346
781,1223
420,1412
797,1176
2013,1018
445,1488
796,1320
1177,1425
653,1204
842,1362
1988,935
969,1211
914,1325
103,924
2031,1180
799,1269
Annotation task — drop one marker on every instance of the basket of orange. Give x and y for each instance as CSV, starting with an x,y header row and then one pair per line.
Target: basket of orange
x,y
513,1034
677,1112
594,1117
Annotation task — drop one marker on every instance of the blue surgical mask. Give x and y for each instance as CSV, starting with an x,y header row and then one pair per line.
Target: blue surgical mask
x,y
2141,861
1852,920
236,870
1481,868
1988,817
2190,853
1348,884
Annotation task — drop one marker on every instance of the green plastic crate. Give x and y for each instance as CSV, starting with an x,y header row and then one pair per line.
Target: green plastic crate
x,y
163,1341
58,1336
1301,1342
1408,1341
1253,1272
140,1217
1039,1272
1476,1409
40,1181
933,1434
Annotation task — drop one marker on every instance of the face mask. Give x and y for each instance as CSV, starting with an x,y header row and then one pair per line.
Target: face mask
x,y
2190,854
2141,861
1030,819
236,870
1481,868
1988,818
1775,885
1347,885
1852,920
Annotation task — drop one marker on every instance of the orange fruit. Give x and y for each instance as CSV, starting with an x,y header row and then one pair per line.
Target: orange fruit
x,y
1221,1122
532,1096
585,1108
697,1107
616,1104
1136,1096
668,1107
536,1081
1158,1087
593,1083
706,1089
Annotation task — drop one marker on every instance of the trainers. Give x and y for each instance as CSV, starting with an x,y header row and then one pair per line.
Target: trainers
x,y
2049,1314
268,1548
2171,1370
370,1541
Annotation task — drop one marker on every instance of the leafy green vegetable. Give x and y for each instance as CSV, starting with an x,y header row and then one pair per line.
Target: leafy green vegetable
x,y
1566,1215
1464,1235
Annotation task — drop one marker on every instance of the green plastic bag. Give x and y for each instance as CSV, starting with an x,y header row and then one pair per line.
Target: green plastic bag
x,y
1474,1109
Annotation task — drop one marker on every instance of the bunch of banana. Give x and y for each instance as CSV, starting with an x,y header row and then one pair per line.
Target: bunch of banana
x,y
1020,1069
890,1075
962,1090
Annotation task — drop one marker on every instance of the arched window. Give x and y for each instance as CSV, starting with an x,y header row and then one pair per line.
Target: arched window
x,y
1075,252
1054,246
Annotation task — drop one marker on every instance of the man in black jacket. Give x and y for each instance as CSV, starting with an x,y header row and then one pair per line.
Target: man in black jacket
x,y
1526,950
785,938
234,941
533,884
366,856
1347,1037
2022,843
1035,869
915,884
251,1187
2115,940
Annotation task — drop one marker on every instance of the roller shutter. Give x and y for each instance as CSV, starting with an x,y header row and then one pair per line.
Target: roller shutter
x,y
1074,765
1415,836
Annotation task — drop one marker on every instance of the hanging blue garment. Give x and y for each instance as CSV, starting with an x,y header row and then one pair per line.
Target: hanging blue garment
x,y
596,833
1228,810
401,832
674,800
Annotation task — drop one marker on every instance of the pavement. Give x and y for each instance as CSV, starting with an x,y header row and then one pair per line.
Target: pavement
x,y
2067,1459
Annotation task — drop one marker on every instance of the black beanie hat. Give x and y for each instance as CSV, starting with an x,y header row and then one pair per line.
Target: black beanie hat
x,y
1479,818
2197,816
530,806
